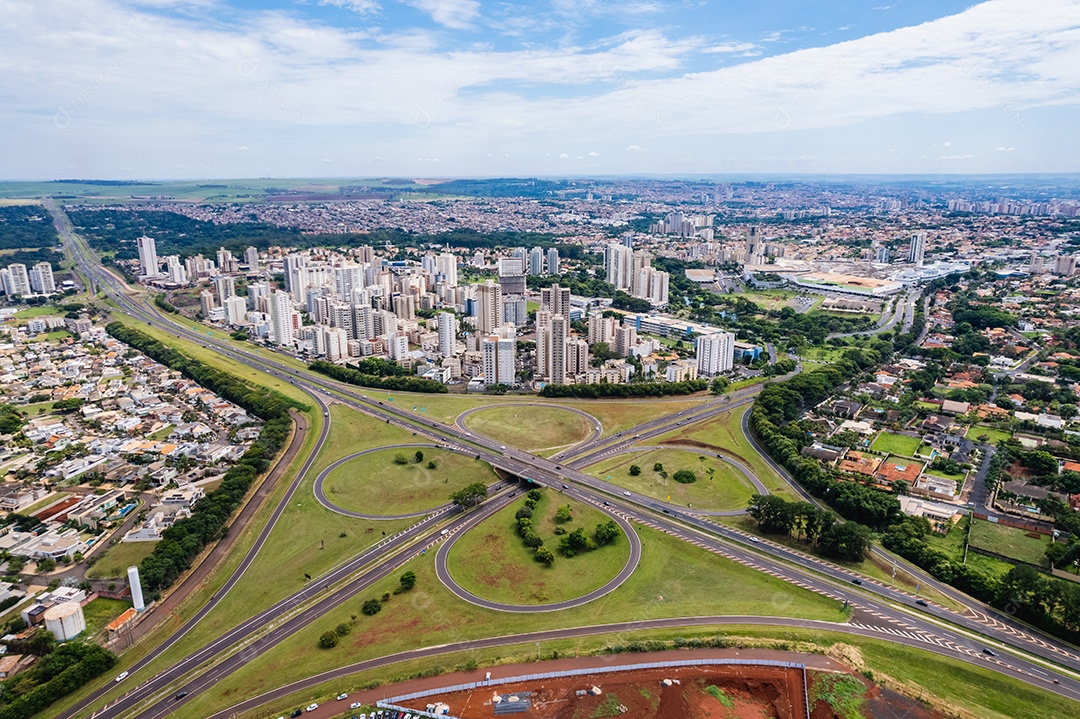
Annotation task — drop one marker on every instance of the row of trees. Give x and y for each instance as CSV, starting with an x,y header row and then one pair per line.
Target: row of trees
x,y
58,674
394,382
639,389
772,420
1048,603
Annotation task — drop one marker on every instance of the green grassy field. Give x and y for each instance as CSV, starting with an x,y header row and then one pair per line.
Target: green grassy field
x,y
917,671
724,432
542,430
952,544
889,443
114,562
725,488
100,612
674,579
1009,541
492,562
375,484
39,311
994,435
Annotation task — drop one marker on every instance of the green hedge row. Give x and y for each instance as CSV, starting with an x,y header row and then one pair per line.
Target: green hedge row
x,y
397,383
636,389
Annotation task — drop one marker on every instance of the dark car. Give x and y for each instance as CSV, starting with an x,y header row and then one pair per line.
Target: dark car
x,y
921,602
296,713
856,580
989,653
180,695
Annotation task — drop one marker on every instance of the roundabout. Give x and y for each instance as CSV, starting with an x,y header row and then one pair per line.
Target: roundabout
x,y
386,483
540,428
489,558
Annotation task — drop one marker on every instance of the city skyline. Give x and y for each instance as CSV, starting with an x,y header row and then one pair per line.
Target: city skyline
x,y
123,90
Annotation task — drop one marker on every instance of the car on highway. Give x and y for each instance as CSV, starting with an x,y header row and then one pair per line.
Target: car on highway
x,y
566,486
341,696
989,652
502,446
856,580
180,695
311,707
755,540
121,677
627,494
921,602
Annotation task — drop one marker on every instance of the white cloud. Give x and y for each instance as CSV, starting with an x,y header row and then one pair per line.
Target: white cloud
x,y
1005,149
265,75
594,154
243,148
363,7
563,155
454,14
968,156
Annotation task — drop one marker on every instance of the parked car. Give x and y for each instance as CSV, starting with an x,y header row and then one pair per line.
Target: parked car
x,y
341,696
311,707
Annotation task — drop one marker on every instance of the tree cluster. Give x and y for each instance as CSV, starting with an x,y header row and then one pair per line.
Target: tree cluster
x,y
849,541
638,389
393,382
60,673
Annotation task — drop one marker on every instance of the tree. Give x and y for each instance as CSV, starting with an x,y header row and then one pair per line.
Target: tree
x,y
400,458
342,629
719,385
371,607
684,476
418,457
407,580
607,532
574,543
899,486
563,514
772,513
634,470
470,495
328,640
848,540
658,467
545,556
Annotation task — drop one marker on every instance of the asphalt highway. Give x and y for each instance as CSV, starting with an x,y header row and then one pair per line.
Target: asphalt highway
x,y
831,581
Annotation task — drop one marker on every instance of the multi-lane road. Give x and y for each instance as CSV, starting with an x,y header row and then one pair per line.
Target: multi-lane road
x,y
879,609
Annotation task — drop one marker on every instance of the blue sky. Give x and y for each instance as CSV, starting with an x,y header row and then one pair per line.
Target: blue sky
x,y
236,88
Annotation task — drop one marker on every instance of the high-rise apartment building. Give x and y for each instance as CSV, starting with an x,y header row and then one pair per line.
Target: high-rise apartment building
x,y
488,307
715,353
917,248
619,266
556,299
552,261
251,258
536,261
446,264
448,330
148,259
281,322
41,279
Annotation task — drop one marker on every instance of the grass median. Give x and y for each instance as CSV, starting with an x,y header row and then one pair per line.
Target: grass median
x,y
542,430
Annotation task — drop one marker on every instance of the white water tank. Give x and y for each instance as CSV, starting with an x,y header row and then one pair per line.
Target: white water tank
x,y
65,621
136,589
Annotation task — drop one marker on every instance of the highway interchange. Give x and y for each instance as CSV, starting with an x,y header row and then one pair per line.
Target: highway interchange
x,y
878,610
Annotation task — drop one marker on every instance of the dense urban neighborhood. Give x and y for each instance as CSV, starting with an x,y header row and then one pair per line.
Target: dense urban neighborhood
x,y
267,421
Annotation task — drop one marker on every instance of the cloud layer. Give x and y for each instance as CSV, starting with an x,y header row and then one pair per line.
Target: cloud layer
x,y
92,86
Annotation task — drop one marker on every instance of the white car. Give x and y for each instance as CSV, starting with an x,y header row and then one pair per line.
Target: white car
x,y
341,696
502,446
312,707
355,705
627,494
121,677
755,540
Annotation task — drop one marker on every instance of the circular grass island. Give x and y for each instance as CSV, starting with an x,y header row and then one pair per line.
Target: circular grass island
x,y
392,482
492,562
718,487
537,429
